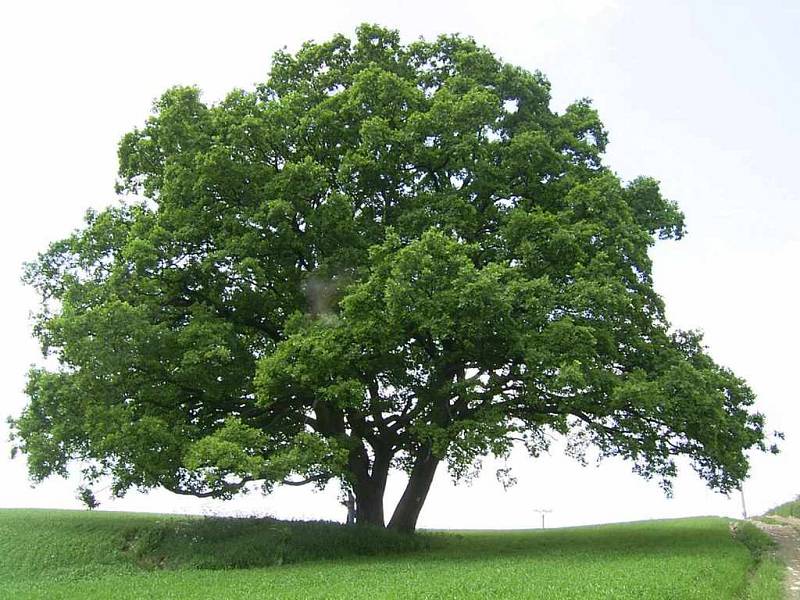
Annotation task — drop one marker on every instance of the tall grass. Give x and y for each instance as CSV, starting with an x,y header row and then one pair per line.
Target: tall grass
x,y
228,543
767,572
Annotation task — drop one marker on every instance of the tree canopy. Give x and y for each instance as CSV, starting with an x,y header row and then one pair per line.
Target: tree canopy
x,y
388,256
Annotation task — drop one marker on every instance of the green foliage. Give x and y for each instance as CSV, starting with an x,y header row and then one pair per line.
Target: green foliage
x,y
756,540
64,554
385,256
87,497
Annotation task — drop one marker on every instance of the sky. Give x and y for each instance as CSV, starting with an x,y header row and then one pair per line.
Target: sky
x,y
701,95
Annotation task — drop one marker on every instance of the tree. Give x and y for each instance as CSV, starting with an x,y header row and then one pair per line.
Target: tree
x,y
386,256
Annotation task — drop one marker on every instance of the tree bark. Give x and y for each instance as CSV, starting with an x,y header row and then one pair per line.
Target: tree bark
x,y
369,505
369,486
350,503
419,482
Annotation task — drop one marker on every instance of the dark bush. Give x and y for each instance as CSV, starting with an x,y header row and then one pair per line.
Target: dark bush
x,y
222,543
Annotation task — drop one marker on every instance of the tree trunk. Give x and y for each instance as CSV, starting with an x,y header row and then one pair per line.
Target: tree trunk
x,y
419,482
350,503
369,504
369,486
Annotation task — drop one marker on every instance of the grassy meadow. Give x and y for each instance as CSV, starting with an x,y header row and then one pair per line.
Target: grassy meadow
x,y
75,554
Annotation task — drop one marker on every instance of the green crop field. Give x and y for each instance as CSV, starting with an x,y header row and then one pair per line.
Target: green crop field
x,y
71,554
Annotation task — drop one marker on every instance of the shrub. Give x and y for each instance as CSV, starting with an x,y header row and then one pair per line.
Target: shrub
x,y
224,542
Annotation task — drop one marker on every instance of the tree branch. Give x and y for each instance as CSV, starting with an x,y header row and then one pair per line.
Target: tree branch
x,y
307,480
230,488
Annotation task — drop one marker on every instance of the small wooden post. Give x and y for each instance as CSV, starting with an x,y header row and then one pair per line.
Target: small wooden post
x,y
543,512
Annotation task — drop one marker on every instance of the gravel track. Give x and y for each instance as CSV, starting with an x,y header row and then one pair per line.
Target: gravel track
x,y
787,535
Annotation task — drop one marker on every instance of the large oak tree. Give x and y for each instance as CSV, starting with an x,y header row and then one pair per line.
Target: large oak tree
x,y
385,257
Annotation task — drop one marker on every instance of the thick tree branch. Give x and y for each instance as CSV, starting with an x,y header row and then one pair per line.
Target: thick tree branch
x,y
307,480
226,489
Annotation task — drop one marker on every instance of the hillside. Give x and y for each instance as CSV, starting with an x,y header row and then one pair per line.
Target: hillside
x,y
787,509
73,554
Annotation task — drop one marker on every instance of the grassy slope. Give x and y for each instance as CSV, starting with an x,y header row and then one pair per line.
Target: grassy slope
x,y
65,554
787,509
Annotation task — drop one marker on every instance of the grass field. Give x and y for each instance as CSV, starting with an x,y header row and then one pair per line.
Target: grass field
x,y
72,554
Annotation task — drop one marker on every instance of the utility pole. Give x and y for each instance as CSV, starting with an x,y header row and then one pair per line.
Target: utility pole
x,y
744,506
543,512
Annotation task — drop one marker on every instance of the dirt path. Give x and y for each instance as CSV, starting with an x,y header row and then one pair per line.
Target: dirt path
x,y
787,534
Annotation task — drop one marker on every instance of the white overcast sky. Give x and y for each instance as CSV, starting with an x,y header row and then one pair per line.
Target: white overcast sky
x,y
702,95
